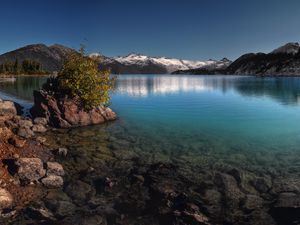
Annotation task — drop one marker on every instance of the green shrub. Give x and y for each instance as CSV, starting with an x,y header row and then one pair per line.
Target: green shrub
x,y
81,77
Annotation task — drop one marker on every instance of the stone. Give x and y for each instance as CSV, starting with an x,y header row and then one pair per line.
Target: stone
x,y
41,140
25,132
261,184
78,190
286,209
53,181
54,168
39,128
288,200
30,169
39,212
5,133
6,199
7,108
19,143
64,208
62,151
40,121
252,202
229,187
25,123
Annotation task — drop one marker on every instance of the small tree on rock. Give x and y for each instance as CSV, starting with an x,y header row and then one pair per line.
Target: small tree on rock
x,y
81,77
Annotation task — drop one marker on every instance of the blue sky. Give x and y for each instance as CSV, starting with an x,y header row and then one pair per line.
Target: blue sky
x,y
189,29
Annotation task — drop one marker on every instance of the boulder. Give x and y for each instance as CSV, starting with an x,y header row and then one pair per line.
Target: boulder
x,y
62,111
17,142
25,132
79,191
26,123
39,128
7,108
54,168
288,200
53,181
30,169
40,121
6,199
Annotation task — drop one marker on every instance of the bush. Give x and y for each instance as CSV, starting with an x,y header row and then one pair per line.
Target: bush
x,y
81,77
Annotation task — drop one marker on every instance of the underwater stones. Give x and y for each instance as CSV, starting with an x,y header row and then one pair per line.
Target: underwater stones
x,y
6,199
261,184
64,208
228,186
39,212
291,184
212,203
288,200
53,181
30,169
286,209
85,219
59,203
252,202
79,190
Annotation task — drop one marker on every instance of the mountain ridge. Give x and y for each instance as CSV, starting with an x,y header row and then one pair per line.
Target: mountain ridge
x,y
282,61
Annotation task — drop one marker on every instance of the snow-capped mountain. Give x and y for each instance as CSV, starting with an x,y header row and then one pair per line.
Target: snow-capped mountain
x,y
170,64
138,63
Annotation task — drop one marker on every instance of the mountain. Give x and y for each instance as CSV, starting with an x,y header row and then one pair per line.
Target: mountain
x,y
50,57
284,60
289,48
217,68
138,63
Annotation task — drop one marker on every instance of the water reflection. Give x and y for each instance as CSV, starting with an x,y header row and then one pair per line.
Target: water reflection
x,y
22,87
283,90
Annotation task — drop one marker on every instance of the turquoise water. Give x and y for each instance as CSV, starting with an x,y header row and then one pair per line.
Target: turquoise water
x,y
261,112
240,120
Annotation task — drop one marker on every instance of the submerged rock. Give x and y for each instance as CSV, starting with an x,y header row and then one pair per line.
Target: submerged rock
x,y
53,181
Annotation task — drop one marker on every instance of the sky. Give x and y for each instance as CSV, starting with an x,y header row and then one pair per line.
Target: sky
x,y
187,29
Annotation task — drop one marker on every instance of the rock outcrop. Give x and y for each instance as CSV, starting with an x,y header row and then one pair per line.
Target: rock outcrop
x,y
64,112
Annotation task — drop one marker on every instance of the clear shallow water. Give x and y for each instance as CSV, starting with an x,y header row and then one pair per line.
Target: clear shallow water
x,y
207,120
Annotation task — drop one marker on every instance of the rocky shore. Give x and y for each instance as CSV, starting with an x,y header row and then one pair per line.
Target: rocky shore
x,y
27,164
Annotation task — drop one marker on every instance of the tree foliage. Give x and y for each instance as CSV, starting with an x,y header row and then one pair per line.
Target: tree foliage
x,y
81,77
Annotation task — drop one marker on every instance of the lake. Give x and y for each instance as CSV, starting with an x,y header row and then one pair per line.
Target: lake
x,y
242,120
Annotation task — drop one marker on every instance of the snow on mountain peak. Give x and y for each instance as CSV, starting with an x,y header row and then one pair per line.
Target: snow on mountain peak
x,y
170,64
